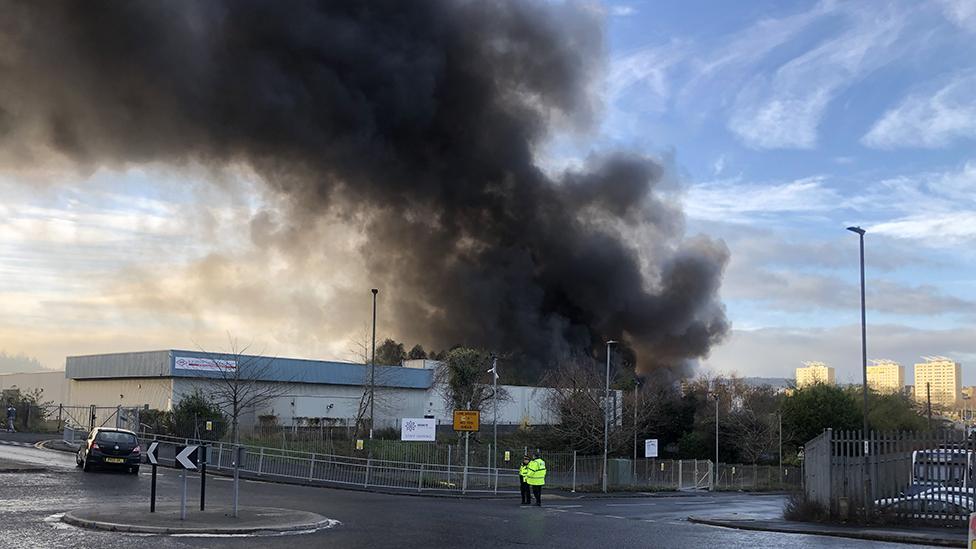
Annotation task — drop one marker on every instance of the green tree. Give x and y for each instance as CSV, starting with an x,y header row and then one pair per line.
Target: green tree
x,y
463,378
390,353
810,410
893,412
190,415
417,353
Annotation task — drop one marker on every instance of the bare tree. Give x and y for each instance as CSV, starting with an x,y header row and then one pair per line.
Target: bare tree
x,y
576,398
240,383
375,392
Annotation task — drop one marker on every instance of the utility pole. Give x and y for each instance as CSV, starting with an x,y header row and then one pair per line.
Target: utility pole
x,y
606,417
780,414
716,435
494,405
372,373
636,385
928,402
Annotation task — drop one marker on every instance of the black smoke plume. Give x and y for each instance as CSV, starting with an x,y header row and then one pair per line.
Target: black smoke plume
x,y
422,118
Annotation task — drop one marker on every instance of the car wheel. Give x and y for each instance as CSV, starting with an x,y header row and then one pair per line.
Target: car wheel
x,y
134,470
77,460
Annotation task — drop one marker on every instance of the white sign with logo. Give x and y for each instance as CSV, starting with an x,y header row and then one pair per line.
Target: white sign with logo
x,y
650,448
205,364
422,429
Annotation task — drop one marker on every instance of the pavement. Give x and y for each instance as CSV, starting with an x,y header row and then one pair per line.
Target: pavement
x,y
940,537
166,520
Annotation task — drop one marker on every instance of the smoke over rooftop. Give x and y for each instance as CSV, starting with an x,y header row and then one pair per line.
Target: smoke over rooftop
x,y
418,120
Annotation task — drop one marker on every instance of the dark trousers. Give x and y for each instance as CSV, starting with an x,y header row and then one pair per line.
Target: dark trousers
x,y
526,494
537,492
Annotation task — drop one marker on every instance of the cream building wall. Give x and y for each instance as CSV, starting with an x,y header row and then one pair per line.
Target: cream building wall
x,y
944,379
53,384
885,376
137,392
814,372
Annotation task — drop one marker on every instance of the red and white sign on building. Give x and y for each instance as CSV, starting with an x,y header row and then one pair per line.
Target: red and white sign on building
x,y
205,364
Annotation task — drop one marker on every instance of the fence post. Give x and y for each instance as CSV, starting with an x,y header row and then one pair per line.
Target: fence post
x,y
368,463
420,479
574,470
680,476
311,468
260,460
220,453
449,464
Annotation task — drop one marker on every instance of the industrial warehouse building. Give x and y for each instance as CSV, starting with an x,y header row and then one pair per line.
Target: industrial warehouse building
x,y
313,391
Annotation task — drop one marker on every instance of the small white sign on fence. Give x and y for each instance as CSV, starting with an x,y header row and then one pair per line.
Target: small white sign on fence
x,y
418,429
650,448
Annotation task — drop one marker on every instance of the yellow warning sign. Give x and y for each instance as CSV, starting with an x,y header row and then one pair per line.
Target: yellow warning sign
x,y
467,420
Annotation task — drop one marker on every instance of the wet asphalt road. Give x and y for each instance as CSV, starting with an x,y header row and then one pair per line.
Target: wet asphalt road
x,y
31,502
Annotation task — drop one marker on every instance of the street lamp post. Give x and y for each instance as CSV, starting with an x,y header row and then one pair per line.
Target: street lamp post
x,y
864,368
606,417
372,371
715,396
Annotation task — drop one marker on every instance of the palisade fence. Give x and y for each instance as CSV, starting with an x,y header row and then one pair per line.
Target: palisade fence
x,y
907,476
419,466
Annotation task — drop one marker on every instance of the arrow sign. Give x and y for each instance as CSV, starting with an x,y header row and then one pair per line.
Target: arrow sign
x,y
186,457
151,453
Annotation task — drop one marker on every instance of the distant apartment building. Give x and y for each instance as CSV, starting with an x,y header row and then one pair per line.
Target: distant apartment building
x,y
886,376
941,379
814,372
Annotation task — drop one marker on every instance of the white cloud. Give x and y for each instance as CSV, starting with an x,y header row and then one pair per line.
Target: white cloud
x,y
938,208
731,200
784,110
960,12
929,120
622,11
645,72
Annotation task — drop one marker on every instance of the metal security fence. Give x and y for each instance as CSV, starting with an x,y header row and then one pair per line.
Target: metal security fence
x,y
906,477
755,478
313,467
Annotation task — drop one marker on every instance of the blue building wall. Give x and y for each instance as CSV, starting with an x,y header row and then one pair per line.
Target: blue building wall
x,y
286,370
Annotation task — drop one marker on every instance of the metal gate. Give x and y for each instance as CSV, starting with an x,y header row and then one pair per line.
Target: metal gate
x,y
89,417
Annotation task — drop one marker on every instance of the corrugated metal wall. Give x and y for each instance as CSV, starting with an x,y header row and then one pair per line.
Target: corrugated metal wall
x,y
139,364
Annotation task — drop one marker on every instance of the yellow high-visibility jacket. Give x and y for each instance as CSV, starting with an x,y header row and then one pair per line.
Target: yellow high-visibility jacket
x,y
524,472
537,472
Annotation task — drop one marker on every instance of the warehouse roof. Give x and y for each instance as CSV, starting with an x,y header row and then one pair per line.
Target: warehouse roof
x,y
196,364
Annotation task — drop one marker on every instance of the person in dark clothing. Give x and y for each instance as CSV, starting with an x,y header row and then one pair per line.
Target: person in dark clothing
x,y
524,486
11,416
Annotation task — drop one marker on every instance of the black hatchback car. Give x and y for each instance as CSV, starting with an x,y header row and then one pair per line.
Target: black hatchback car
x,y
115,448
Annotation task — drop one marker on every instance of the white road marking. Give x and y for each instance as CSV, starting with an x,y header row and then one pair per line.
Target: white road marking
x,y
628,504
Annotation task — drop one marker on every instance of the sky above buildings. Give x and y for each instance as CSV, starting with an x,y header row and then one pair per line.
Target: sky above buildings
x,y
780,124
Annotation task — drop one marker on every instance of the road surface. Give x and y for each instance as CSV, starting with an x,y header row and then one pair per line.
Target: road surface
x,y
30,504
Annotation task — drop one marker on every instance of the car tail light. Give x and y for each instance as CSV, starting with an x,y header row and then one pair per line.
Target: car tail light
x,y
94,446
136,450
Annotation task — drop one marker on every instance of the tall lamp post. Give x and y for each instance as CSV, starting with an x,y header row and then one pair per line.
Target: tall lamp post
x,y
715,396
864,369
606,417
372,371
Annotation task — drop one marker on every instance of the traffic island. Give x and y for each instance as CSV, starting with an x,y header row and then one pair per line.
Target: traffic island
x,y
940,537
216,521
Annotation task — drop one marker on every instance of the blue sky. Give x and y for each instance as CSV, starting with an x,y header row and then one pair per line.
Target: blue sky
x,y
781,123
787,122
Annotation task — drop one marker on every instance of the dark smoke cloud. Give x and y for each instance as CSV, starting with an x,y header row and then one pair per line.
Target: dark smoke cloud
x,y
421,118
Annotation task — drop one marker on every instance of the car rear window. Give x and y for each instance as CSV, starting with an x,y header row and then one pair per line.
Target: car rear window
x,y
118,438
